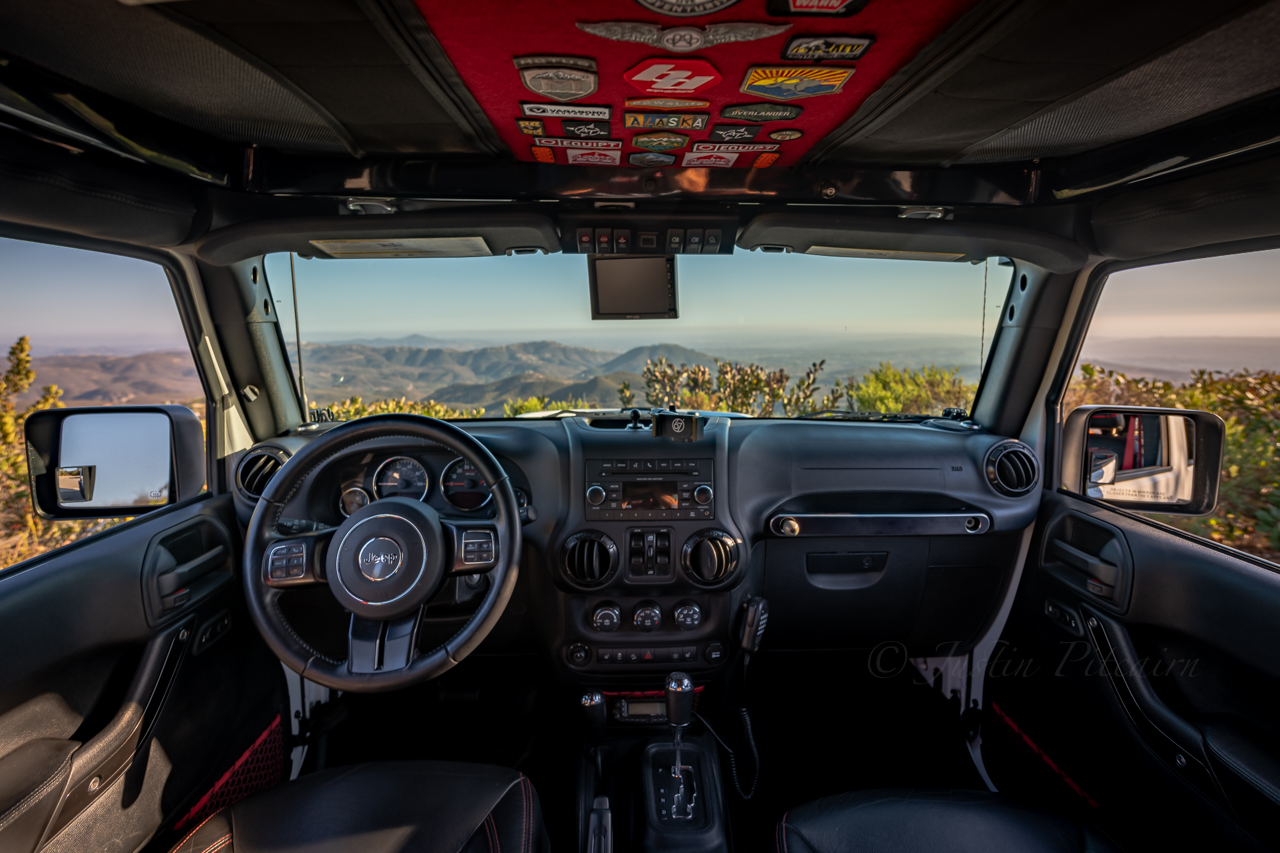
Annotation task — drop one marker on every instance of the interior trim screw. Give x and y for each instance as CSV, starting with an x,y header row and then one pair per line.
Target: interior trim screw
x,y
829,192
95,783
184,634
1180,760
1093,623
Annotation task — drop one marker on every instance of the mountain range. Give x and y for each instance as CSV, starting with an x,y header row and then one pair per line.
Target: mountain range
x,y
490,375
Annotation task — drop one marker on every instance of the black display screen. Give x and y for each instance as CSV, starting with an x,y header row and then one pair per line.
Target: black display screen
x,y
650,495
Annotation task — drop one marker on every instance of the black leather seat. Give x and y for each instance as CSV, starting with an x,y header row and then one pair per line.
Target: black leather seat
x,y
902,821
386,807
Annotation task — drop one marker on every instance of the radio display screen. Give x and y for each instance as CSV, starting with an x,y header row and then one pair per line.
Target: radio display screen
x,y
646,709
650,495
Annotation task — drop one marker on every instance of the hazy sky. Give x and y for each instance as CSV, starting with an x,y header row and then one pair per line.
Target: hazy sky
x,y
77,301
71,300
538,296
1230,296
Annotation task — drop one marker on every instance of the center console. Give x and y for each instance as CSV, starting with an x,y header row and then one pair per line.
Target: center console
x,y
650,559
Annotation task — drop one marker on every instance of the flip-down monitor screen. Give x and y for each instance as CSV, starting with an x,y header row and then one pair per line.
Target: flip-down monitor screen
x,y
633,287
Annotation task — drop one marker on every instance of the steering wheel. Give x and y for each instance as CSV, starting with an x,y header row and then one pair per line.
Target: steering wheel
x,y
382,564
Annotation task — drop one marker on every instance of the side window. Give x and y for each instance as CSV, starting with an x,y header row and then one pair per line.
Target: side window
x,y
80,328
1202,334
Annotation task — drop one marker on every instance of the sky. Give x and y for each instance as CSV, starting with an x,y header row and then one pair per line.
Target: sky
x,y
536,297
1230,296
70,300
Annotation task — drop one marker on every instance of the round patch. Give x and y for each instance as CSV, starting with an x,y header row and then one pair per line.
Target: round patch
x,y
786,135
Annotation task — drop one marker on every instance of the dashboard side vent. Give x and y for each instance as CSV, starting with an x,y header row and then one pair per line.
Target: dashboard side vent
x,y
256,470
709,557
589,558
1012,468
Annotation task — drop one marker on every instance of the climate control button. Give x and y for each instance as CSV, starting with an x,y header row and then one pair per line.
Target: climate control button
x,y
648,616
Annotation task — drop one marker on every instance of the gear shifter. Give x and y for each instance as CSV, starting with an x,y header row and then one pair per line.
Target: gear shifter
x,y
679,715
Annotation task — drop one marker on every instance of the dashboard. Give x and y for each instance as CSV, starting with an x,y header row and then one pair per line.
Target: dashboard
x,y
644,552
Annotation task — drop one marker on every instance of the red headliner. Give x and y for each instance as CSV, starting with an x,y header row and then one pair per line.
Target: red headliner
x,y
482,37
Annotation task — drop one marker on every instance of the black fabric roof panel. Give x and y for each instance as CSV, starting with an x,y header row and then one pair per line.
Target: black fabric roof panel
x,y
1230,64
142,55
1055,51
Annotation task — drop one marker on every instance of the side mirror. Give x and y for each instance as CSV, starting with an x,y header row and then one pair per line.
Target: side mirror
x,y
113,461
1144,459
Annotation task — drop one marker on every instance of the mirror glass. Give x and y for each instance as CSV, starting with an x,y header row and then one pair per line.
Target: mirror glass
x,y
114,459
1140,457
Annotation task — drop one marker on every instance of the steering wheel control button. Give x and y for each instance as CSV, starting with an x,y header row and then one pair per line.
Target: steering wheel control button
x,y
607,618
287,561
648,617
477,547
595,495
579,654
688,616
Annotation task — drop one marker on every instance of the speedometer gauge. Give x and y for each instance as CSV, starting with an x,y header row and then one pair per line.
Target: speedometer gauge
x,y
401,477
463,487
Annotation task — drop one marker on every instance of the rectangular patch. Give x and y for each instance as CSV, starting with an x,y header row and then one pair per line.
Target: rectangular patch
x,y
708,161
677,121
725,147
562,142
579,157
567,111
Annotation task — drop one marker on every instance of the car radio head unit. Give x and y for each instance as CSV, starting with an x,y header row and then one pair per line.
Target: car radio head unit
x,y
649,489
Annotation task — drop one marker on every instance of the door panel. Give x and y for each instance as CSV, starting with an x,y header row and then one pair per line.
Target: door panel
x,y
116,708
1149,676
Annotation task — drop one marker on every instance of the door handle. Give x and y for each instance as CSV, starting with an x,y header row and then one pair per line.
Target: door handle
x,y
1101,571
181,576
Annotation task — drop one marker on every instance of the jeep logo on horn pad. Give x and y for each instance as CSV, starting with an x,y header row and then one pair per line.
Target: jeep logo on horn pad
x,y
380,558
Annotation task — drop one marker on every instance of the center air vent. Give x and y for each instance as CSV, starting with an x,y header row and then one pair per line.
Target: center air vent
x,y
256,470
1012,468
710,556
590,557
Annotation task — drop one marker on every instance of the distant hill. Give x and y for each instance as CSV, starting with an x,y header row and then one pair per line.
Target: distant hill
x,y
633,360
1173,359
599,391
88,380
337,371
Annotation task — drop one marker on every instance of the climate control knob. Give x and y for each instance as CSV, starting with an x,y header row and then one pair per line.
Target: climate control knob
x,y
703,495
595,496
648,617
687,615
607,618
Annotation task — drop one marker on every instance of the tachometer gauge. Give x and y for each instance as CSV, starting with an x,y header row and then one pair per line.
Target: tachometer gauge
x,y
352,499
463,487
401,477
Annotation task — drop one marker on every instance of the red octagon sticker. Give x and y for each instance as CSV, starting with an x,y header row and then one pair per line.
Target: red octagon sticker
x,y
672,76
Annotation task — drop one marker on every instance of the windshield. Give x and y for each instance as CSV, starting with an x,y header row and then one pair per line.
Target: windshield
x,y
767,335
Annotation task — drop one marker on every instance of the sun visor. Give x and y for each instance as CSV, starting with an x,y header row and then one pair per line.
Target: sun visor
x,y
439,234
905,239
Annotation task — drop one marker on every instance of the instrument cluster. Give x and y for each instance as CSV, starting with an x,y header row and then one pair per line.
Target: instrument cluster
x,y
456,482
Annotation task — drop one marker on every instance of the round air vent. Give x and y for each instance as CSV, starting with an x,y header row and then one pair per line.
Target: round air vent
x,y
710,556
589,557
1012,468
256,470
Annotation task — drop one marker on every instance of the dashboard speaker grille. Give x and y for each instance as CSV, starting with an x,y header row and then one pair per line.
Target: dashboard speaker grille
x,y
590,558
256,470
1012,468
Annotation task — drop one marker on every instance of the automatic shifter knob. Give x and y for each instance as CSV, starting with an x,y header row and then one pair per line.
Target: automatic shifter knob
x,y
679,699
